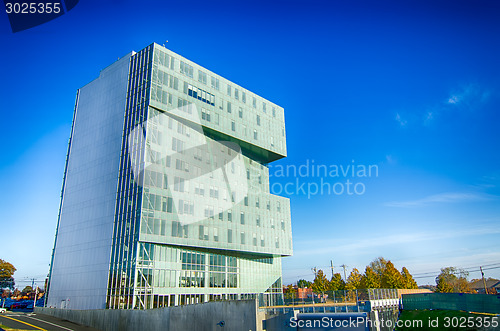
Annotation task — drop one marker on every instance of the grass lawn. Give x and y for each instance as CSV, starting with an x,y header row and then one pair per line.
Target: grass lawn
x,y
446,320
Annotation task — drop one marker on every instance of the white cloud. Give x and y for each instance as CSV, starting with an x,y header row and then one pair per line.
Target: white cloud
x,y
453,99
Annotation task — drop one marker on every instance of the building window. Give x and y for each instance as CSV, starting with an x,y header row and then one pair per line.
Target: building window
x,y
178,184
254,241
254,103
216,234
214,192
229,216
203,232
229,90
262,242
240,113
233,126
264,107
178,230
229,107
186,69
209,212
205,114
242,218
246,201
242,238
202,77
236,94
274,112
243,97
229,236
257,221
255,134
258,120
214,83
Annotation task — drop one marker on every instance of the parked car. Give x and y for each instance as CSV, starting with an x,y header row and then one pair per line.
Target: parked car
x,y
2,310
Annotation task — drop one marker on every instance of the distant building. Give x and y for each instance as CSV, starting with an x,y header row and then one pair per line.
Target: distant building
x,y
166,197
492,285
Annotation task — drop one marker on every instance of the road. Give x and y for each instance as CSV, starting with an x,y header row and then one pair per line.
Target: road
x,y
31,321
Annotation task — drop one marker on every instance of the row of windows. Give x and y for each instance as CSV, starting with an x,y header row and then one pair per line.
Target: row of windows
x,y
162,78
199,94
165,98
164,59
235,93
157,227
188,70
187,278
165,204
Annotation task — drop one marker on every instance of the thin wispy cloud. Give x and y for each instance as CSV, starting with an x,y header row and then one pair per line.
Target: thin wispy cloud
x,y
400,120
467,98
453,197
375,243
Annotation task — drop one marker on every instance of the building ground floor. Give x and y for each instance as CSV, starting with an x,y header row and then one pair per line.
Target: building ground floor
x,y
168,275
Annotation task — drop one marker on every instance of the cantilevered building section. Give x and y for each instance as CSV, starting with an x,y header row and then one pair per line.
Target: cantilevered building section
x,y
166,196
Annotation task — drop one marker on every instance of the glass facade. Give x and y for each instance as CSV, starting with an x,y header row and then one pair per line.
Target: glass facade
x,y
194,220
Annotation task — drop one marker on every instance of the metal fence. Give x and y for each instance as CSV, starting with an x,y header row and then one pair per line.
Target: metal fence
x,y
338,297
481,303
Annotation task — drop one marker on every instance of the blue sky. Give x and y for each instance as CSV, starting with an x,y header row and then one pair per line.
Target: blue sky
x,y
409,86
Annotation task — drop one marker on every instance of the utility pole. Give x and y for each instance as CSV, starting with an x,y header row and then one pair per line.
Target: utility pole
x,y
484,282
331,266
345,267
34,300
314,271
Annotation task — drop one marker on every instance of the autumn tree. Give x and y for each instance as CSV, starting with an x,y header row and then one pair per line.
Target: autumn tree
x,y
370,279
16,293
336,283
378,266
391,277
320,283
290,292
452,280
408,281
354,280
27,290
6,274
6,293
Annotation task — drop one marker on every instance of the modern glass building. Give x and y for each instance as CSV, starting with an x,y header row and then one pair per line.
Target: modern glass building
x,y
165,198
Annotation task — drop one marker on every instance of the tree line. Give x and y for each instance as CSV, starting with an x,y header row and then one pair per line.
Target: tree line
x,y
380,273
